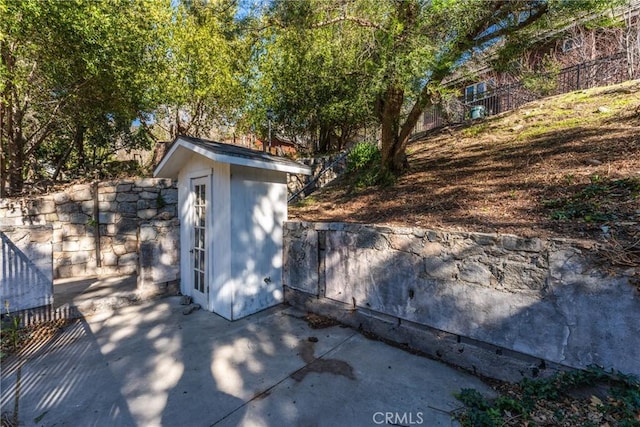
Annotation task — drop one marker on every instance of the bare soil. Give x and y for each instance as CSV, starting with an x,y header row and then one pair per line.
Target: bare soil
x,y
564,166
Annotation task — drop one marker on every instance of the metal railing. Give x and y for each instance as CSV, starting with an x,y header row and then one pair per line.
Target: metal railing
x,y
310,186
599,72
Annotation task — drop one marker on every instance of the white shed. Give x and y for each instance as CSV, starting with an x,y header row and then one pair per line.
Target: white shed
x,y
232,204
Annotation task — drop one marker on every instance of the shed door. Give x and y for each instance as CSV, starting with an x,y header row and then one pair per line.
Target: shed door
x,y
200,284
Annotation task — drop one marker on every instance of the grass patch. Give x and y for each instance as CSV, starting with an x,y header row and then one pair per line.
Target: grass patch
x,y
595,202
307,201
592,397
475,130
577,96
549,127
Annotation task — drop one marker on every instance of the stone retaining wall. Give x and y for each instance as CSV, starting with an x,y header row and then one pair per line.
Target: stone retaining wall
x,y
469,298
317,164
26,267
159,263
95,226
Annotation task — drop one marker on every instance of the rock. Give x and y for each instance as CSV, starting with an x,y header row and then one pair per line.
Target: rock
x,y
604,110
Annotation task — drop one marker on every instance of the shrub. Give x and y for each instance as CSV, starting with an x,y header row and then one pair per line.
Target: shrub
x,y
364,162
362,155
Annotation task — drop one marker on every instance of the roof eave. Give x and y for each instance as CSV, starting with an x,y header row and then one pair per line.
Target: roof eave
x,y
166,170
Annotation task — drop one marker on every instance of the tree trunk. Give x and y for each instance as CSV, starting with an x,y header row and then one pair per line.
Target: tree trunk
x,y
6,117
392,146
3,179
16,163
395,136
61,162
78,142
324,140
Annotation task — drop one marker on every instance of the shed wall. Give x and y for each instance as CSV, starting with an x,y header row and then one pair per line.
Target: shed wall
x,y
259,209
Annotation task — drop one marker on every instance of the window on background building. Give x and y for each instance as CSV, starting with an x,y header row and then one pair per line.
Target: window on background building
x,y
477,91
470,93
481,88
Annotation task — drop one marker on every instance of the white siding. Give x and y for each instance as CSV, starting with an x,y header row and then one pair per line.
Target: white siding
x,y
259,205
220,254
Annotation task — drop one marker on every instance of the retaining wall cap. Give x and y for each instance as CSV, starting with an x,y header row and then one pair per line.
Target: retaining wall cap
x,y
12,228
526,244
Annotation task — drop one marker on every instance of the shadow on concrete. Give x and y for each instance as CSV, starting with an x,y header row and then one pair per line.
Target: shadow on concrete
x,y
71,381
90,294
148,364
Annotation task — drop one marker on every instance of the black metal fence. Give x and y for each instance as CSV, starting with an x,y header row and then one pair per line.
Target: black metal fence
x,y
599,72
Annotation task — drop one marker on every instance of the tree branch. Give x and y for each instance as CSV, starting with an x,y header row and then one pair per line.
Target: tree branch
x,y
503,10
44,128
509,29
346,18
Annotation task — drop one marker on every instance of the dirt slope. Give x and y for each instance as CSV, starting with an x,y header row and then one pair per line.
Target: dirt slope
x,y
565,166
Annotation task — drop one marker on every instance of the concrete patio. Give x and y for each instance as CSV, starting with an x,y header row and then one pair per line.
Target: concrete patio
x,y
147,364
92,294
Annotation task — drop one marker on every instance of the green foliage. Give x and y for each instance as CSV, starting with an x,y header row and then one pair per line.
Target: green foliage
x,y
337,64
200,83
595,202
307,201
622,404
544,80
314,79
10,335
363,162
75,75
479,411
362,155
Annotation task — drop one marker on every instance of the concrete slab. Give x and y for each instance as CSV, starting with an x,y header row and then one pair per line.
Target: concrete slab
x,y
150,365
91,294
361,383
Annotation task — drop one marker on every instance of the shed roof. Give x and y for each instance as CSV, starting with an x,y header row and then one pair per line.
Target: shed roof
x,y
183,148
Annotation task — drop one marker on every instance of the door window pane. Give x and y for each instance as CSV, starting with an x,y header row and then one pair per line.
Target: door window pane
x,y
199,237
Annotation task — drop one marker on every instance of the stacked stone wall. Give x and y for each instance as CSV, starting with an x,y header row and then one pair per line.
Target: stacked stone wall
x,y
159,263
317,164
95,226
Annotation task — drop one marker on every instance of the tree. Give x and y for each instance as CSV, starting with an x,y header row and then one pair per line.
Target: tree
x,y
415,44
312,81
71,71
202,83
